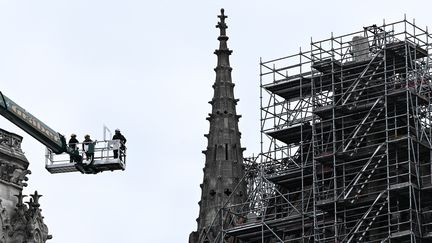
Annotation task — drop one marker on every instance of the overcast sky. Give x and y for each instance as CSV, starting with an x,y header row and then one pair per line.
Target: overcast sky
x,y
146,67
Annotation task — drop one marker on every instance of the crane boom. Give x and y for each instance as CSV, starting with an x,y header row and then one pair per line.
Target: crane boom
x,y
33,126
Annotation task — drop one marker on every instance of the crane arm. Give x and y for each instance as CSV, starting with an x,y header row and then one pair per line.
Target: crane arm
x,y
33,126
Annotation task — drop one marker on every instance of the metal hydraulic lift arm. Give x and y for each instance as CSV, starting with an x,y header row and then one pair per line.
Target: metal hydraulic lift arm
x,y
33,126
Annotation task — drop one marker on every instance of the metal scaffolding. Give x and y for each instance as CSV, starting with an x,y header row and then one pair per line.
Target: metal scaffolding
x,y
346,143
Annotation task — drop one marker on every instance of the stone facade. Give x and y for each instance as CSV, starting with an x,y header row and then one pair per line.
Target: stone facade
x,y
19,222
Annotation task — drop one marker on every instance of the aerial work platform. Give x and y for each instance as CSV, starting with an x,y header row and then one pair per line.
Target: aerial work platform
x,y
103,159
62,157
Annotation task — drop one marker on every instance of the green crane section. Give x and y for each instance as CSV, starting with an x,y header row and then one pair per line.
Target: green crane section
x,y
33,126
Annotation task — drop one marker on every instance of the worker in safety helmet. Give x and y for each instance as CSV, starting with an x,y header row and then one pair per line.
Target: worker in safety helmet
x,y
122,139
73,145
88,147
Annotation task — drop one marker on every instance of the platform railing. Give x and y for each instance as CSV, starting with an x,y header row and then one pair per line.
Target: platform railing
x,y
103,150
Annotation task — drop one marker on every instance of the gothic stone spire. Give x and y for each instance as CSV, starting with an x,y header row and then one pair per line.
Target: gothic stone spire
x,y
224,155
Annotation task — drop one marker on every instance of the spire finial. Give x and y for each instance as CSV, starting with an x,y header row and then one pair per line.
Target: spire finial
x,y
222,25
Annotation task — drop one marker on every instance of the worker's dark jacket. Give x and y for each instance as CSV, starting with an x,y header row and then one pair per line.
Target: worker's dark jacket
x,y
119,136
73,143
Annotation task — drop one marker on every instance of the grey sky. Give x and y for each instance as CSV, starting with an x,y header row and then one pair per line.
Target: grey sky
x,y
146,67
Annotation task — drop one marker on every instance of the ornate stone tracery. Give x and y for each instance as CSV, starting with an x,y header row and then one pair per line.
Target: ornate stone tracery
x,y
27,222
12,173
224,154
19,221
4,223
10,142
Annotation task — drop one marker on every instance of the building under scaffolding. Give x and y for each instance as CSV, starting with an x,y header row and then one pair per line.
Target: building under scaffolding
x,y
346,143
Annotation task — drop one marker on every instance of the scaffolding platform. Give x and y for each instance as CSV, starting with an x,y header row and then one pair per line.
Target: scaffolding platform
x,y
293,134
328,205
292,179
402,189
249,231
401,236
255,231
359,153
399,96
326,65
327,112
401,143
292,88
355,67
398,48
324,111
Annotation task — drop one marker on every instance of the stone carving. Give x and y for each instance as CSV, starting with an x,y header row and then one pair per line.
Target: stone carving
x,y
6,171
24,222
4,223
10,140
13,174
20,176
27,223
